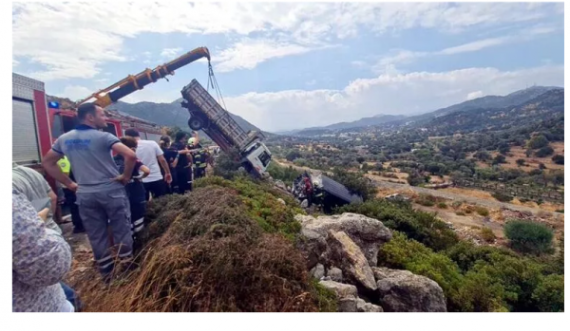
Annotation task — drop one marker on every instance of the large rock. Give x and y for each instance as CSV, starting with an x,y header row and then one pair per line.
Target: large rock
x,y
335,274
341,290
345,253
366,307
318,271
368,233
348,305
403,291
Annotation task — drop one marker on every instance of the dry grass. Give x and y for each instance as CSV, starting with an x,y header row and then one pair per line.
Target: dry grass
x,y
471,193
205,254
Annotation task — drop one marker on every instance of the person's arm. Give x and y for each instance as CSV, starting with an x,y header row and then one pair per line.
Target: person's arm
x,y
130,159
40,256
52,168
145,171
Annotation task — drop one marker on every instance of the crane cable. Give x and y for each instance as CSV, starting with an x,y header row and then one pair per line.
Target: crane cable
x,y
214,83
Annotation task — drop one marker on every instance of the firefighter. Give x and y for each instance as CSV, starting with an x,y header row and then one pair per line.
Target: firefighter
x,y
183,163
70,197
200,158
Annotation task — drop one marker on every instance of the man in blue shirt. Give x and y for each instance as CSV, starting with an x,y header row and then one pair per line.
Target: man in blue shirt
x,y
100,189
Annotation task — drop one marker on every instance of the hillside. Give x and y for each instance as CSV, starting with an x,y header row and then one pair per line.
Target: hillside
x,y
167,114
545,106
391,121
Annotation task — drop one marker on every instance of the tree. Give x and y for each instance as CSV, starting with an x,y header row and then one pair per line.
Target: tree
x,y
482,156
544,151
499,159
529,237
520,162
528,152
291,156
541,166
538,142
504,148
360,159
558,159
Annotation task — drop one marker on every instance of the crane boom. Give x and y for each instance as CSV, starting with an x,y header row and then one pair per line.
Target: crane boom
x,y
130,84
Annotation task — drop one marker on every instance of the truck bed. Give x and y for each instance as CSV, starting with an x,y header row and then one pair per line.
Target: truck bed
x,y
195,94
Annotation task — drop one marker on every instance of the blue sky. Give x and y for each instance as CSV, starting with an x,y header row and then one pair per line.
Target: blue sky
x,y
285,66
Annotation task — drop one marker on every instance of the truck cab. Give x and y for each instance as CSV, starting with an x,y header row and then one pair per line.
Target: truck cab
x,y
258,156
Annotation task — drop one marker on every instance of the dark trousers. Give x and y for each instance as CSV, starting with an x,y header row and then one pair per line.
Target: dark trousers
x,y
199,172
157,188
70,199
184,180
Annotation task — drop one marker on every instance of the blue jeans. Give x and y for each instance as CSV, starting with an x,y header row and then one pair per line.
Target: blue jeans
x,y
71,296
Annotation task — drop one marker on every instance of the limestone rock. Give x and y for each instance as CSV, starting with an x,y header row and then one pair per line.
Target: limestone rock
x,y
351,260
403,291
341,290
366,307
335,274
368,233
318,271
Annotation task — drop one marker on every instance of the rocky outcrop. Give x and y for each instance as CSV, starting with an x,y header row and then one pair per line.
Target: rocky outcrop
x,y
350,259
342,250
341,290
368,233
403,291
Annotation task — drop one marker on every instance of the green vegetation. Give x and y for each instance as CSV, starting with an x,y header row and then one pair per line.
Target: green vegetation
x,y
482,211
442,205
558,159
544,152
538,142
477,278
529,237
503,197
262,205
488,235
356,183
286,174
424,227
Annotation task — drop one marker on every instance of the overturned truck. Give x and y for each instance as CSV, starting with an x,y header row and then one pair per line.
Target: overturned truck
x,y
323,191
207,115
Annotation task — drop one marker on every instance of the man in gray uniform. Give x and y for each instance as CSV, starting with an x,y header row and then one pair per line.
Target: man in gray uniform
x,y
100,189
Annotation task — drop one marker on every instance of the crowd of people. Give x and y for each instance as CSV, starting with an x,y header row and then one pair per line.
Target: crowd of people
x,y
107,197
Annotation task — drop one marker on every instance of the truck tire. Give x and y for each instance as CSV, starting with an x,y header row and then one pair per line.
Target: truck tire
x,y
197,122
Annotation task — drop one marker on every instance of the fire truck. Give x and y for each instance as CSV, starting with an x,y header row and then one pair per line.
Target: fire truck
x,y
36,124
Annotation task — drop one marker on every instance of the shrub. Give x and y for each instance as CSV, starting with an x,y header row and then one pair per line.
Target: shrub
x,y
538,142
549,294
286,174
421,226
503,197
356,183
558,159
442,205
460,213
426,200
488,235
529,237
520,162
544,151
499,159
482,211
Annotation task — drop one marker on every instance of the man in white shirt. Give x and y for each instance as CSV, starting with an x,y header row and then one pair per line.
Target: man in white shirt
x,y
150,154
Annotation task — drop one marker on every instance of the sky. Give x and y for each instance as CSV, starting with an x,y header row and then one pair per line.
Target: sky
x,y
285,66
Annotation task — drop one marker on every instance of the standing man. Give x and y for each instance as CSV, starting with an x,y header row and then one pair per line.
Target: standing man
x,y
184,164
199,156
151,155
100,189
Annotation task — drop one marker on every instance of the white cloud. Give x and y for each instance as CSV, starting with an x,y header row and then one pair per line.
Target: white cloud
x,y
385,94
170,52
74,39
474,95
473,46
248,53
75,92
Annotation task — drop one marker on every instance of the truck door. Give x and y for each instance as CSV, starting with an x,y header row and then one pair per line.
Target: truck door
x,y
25,146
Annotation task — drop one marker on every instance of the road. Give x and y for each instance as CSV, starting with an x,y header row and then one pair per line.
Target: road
x,y
441,193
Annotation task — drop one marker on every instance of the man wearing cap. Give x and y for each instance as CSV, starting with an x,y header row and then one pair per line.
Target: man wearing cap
x,y
152,156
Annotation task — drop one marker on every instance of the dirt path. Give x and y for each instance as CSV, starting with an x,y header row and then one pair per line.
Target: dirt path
x,y
460,197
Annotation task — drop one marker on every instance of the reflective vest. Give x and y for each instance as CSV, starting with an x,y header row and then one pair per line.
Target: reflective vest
x,y
200,159
64,165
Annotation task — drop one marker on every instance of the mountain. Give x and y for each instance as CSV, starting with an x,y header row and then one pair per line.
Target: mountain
x,y
167,114
490,101
546,106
